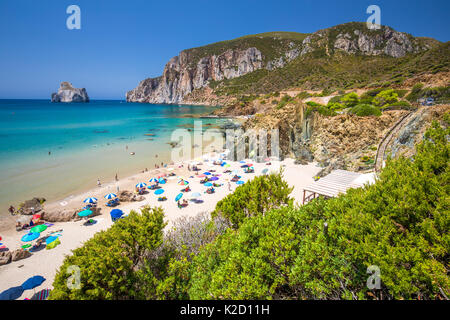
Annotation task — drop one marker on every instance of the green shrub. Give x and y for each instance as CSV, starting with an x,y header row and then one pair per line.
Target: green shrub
x,y
255,197
111,263
350,99
385,97
363,110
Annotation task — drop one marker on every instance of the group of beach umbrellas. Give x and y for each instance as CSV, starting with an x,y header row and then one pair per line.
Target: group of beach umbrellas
x,y
14,293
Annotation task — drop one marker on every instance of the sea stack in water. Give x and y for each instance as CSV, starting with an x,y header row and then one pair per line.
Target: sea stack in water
x,y
67,93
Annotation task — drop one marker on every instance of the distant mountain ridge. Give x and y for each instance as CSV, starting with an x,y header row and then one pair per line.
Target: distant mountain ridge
x,y
233,66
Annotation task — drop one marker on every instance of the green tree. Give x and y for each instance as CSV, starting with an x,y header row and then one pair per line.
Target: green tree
x,y
112,263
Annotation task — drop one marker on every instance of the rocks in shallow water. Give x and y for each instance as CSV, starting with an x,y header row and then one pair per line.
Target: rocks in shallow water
x,y
67,93
5,257
20,254
31,206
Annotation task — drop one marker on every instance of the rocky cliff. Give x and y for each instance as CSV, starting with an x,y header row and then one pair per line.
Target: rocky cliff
x,y
216,65
67,93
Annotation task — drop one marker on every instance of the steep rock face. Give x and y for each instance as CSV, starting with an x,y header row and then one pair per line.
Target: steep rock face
x,y
67,93
181,77
356,38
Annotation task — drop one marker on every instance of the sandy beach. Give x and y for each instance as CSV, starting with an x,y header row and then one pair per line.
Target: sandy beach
x,y
47,262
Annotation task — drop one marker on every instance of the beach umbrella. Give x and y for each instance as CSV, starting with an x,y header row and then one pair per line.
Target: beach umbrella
x,y
25,246
179,196
36,216
30,236
240,182
184,183
41,295
53,244
159,191
267,159
153,180
11,293
250,164
265,171
222,164
116,213
90,200
214,179
84,213
162,181
207,173
227,165
208,184
141,185
195,195
50,239
38,228
242,161
111,196
244,166
201,176
33,282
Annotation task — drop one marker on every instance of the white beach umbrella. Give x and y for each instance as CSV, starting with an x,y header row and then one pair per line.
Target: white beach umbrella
x,y
111,196
90,200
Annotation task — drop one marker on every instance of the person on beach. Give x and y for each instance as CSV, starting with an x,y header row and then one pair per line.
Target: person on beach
x,y
11,210
229,186
98,183
117,179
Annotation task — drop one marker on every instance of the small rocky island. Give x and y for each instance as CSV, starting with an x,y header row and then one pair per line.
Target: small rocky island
x,y
67,93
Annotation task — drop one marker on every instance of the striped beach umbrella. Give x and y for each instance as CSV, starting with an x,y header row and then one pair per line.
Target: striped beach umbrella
x,y
153,180
141,185
111,196
41,295
90,200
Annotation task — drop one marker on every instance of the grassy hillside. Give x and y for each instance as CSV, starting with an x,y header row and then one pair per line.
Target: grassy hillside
x,y
318,71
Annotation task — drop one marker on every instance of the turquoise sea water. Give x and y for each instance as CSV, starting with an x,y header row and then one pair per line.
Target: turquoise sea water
x,y
85,141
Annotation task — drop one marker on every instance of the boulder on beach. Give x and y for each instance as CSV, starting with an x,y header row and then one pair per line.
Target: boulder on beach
x,y
20,254
128,196
5,257
64,215
31,206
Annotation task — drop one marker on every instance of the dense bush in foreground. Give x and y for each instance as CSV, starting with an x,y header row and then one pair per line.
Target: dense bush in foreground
x,y
400,224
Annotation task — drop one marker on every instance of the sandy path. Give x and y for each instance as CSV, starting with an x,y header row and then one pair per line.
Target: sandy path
x,y
74,234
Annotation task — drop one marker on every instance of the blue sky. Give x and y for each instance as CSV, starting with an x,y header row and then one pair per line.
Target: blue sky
x,y
123,42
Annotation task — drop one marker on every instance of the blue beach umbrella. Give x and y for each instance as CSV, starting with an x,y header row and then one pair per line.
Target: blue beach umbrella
x,y
85,213
178,197
159,191
116,213
153,180
265,171
141,185
208,184
30,236
207,173
242,161
11,293
214,179
90,200
33,282
111,196
240,182
50,239
162,181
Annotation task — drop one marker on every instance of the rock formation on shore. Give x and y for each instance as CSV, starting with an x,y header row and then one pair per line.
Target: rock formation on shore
x,y
67,93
